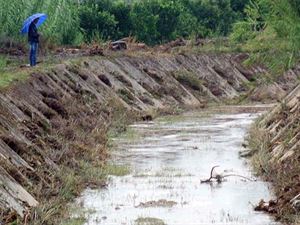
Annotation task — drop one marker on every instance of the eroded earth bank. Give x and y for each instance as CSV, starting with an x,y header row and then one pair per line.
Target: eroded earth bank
x,y
274,144
56,122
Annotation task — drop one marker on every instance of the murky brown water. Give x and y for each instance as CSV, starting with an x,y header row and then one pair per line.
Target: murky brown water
x,y
168,157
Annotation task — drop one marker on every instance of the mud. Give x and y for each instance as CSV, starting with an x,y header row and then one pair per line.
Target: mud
x,y
168,158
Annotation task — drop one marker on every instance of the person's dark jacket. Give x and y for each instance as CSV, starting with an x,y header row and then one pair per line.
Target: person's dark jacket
x,y
33,35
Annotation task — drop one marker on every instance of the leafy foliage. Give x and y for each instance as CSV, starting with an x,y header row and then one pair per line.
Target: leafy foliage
x,y
272,30
150,21
62,24
96,23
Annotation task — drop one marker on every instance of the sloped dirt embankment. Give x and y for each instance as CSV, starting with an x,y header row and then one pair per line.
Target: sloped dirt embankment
x,y
58,119
275,141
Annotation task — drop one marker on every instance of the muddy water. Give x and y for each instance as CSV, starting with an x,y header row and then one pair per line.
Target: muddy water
x,y
168,157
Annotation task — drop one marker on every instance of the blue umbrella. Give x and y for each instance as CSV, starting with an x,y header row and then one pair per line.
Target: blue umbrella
x,y
42,17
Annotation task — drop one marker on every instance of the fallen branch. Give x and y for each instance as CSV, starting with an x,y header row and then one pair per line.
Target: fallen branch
x,y
219,178
211,175
236,175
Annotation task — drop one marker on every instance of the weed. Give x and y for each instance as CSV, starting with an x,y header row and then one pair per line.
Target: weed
x,y
188,79
74,221
213,45
130,134
149,221
3,62
267,149
69,189
122,118
6,78
116,170
126,95
258,143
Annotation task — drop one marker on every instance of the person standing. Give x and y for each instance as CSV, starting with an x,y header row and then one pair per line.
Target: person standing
x,y
33,39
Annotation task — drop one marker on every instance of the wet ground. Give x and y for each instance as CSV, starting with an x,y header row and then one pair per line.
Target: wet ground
x,y
168,158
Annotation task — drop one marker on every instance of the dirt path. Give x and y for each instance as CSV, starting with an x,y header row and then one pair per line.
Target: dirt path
x,y
168,158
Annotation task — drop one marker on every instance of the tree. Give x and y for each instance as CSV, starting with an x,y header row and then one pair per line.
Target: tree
x,y
144,22
96,23
121,12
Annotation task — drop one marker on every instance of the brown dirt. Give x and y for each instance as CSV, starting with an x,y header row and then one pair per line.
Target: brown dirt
x,y
278,157
60,117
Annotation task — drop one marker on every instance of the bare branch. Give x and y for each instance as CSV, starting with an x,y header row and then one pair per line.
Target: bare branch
x,y
211,175
219,177
236,175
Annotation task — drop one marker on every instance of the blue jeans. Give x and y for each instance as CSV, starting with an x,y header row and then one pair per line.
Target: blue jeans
x,y
33,52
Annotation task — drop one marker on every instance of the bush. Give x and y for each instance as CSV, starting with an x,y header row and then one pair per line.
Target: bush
x,y
188,79
96,23
272,31
62,25
151,21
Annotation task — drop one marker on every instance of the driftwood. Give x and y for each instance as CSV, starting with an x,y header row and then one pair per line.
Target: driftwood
x,y
212,176
219,178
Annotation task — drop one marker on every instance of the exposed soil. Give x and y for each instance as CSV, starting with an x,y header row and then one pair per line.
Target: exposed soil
x,y
274,141
59,117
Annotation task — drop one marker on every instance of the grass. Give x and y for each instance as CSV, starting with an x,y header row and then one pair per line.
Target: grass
x,y
3,62
188,79
126,95
75,174
74,182
74,221
83,164
275,54
211,46
7,78
122,118
258,144
282,174
11,71
276,60
149,221
130,134
116,170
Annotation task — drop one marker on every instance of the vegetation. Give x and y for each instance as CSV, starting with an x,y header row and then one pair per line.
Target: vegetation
x,y
271,159
254,25
8,77
149,221
188,79
150,21
271,30
62,25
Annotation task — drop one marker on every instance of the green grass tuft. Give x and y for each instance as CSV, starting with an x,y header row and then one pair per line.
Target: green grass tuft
x,y
6,78
188,79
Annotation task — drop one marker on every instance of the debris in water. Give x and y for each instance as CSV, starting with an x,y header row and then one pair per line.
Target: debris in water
x,y
149,221
269,207
219,178
159,203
